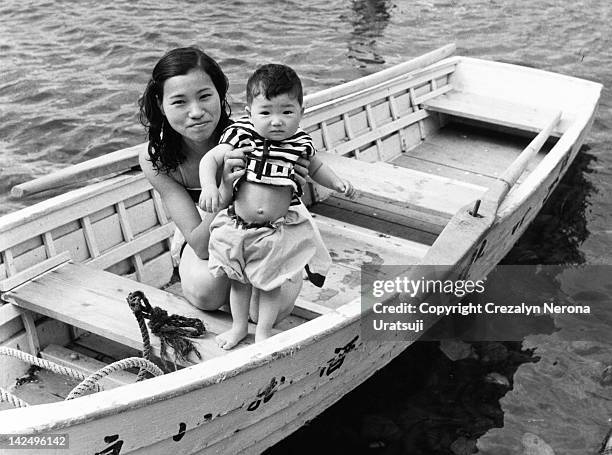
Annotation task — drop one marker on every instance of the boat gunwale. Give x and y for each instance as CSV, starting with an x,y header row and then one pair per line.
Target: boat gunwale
x,y
571,138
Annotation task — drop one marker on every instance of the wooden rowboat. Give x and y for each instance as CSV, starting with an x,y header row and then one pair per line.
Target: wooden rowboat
x,y
452,158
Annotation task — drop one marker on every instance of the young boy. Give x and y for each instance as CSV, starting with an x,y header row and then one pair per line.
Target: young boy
x,y
266,236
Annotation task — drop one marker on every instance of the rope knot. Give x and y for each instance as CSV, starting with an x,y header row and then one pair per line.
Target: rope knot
x,y
173,330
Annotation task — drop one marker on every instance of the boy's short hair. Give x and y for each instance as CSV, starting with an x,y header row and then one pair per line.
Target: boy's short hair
x,y
272,80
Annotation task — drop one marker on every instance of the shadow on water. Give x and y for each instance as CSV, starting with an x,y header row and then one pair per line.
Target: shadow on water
x,y
369,20
424,403
555,236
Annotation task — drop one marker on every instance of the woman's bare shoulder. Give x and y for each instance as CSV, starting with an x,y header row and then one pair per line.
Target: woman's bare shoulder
x,y
161,181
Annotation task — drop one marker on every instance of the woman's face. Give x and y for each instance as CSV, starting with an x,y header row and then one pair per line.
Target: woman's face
x,y
192,106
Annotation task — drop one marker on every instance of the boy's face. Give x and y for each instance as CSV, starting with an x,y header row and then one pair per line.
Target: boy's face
x,y
276,119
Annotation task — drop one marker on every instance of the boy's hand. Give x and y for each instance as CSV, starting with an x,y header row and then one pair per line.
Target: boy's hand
x,y
346,187
210,198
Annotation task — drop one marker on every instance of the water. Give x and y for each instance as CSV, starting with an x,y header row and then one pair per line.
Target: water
x,y
70,76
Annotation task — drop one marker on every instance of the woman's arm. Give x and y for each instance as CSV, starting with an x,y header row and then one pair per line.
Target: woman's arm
x,y
212,198
180,207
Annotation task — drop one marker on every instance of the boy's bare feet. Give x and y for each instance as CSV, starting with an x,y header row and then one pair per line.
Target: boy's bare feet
x,y
227,340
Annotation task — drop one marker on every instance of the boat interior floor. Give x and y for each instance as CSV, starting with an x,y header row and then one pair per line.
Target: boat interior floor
x,y
469,153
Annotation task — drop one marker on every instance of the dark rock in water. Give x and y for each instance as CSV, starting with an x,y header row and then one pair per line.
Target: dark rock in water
x,y
439,407
534,445
456,349
585,347
378,428
606,376
590,296
493,352
463,446
497,379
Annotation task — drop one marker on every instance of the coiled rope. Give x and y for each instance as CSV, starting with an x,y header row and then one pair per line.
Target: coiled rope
x,y
87,382
42,363
15,401
130,362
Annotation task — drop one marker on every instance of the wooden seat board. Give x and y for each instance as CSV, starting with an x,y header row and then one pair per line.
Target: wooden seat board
x,y
403,188
95,300
491,110
382,221
351,247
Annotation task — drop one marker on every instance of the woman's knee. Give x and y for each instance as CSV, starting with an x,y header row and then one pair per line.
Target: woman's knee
x,y
200,288
204,297
289,294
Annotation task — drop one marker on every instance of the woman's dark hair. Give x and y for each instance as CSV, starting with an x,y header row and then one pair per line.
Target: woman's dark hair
x,y
165,146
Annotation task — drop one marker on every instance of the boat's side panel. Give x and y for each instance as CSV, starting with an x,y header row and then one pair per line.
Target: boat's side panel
x,y
525,201
118,225
381,122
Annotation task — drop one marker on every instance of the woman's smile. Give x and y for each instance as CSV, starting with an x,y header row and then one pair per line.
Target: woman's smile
x,y
192,105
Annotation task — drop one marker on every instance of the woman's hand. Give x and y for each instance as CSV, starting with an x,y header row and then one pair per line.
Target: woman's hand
x,y
234,165
301,170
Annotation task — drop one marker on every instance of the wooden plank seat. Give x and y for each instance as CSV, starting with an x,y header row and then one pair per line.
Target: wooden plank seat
x,y
492,110
95,300
416,195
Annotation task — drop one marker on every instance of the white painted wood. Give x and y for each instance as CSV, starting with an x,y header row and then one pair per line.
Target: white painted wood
x,y
31,272
139,243
402,69
527,86
529,117
8,313
128,235
59,210
109,163
359,100
49,331
345,148
86,365
9,262
518,166
403,188
31,333
49,244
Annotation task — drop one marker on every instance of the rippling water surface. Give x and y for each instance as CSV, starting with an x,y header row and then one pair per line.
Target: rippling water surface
x,y
71,73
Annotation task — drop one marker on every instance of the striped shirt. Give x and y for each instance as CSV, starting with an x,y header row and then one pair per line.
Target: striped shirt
x,y
271,162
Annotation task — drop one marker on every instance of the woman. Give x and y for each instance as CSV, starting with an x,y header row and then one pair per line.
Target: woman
x,y
185,109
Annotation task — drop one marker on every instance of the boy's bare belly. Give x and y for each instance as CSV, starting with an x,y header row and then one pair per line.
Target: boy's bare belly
x,y
259,203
